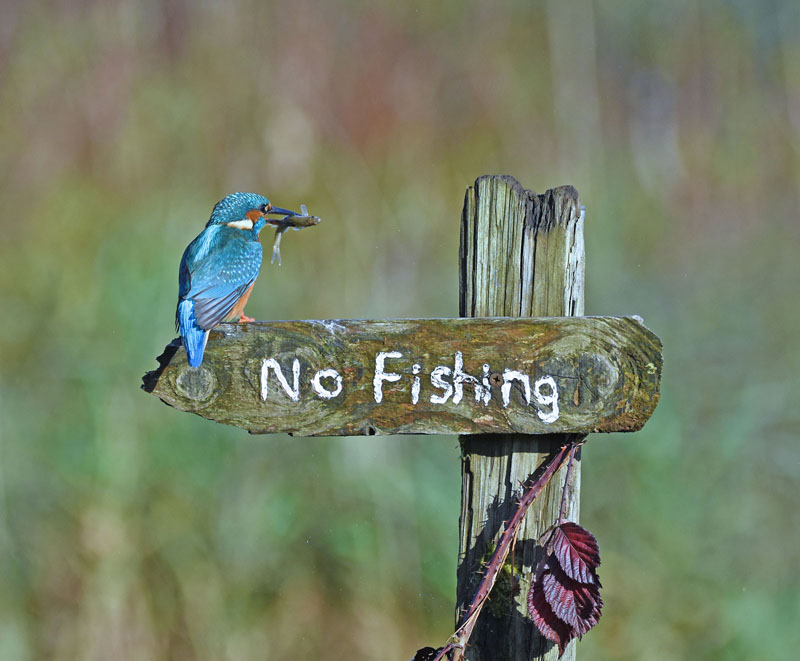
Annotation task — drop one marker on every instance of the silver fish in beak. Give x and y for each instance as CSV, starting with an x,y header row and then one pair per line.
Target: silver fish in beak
x,y
291,220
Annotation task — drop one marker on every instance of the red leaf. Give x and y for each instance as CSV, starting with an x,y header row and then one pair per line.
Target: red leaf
x,y
562,606
577,552
577,604
545,620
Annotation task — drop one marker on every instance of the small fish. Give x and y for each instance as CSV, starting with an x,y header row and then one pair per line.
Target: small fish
x,y
292,221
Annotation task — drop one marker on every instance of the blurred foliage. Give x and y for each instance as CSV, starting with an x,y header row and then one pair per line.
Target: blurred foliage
x,y
131,531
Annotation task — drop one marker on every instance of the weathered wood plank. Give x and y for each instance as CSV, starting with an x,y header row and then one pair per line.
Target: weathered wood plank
x,y
606,372
522,255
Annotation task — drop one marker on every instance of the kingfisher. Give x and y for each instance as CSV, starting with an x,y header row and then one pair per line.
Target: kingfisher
x,y
218,269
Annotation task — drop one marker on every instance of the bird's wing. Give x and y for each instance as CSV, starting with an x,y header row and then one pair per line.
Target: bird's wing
x,y
211,311
216,272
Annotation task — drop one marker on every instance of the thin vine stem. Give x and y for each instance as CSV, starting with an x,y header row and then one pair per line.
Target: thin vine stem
x,y
460,638
562,507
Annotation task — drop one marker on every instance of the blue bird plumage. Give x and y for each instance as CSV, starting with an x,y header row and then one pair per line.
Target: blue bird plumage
x,y
219,267
194,337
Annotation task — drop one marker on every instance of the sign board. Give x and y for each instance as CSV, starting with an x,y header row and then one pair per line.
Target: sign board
x,y
420,376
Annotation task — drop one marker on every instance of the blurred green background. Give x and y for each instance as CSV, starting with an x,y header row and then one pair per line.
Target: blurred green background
x,y
129,530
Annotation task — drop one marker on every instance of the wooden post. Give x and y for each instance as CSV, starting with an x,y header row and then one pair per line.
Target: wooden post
x,y
521,255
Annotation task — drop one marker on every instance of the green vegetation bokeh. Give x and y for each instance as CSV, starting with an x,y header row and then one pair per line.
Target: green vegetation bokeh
x,y
129,530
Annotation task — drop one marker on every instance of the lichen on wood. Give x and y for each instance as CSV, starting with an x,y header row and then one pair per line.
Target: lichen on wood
x,y
494,375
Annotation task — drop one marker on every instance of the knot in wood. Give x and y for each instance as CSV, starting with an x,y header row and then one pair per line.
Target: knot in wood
x,y
196,383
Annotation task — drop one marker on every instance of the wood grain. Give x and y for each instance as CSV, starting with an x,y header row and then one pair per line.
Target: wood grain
x,y
522,254
606,369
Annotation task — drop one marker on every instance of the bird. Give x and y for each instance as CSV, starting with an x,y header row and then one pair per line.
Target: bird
x,y
219,268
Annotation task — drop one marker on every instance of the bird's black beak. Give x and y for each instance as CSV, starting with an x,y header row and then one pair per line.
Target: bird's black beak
x,y
282,212
277,222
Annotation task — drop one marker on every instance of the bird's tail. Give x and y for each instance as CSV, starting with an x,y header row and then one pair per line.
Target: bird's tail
x,y
194,337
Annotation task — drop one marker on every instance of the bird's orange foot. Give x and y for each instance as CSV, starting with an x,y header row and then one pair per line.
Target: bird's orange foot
x,y
244,319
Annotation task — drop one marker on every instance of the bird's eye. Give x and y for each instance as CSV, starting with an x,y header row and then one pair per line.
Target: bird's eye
x,y
263,207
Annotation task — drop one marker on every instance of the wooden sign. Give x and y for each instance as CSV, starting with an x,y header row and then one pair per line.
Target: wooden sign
x,y
420,376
